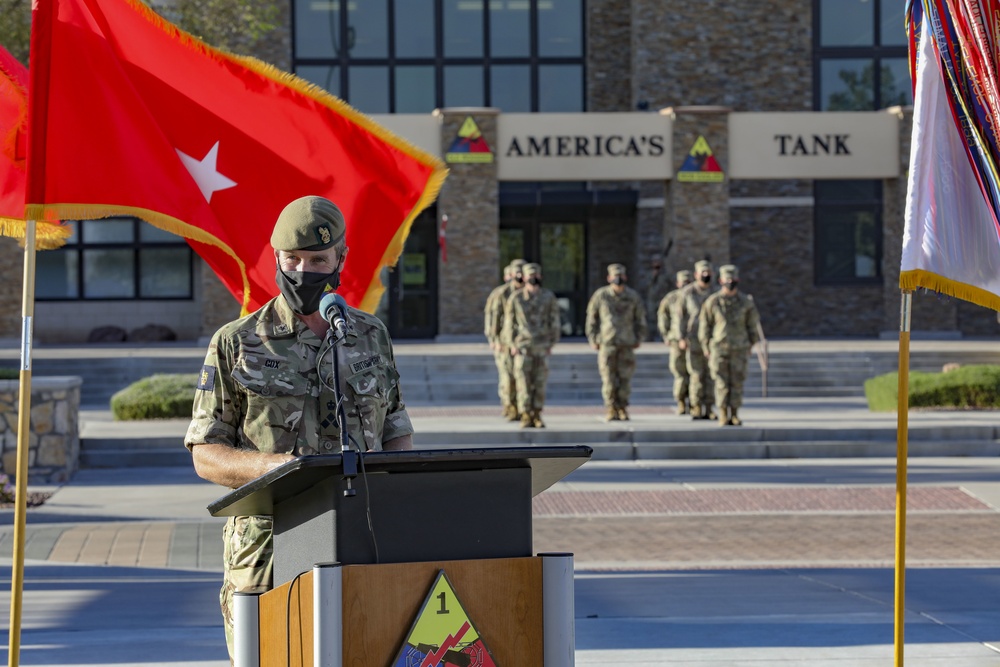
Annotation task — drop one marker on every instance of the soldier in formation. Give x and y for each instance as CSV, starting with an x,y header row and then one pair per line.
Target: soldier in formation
x,y
671,323
531,328
616,326
700,387
493,328
728,327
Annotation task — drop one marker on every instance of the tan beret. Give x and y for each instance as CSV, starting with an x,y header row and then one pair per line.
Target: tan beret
x,y
308,223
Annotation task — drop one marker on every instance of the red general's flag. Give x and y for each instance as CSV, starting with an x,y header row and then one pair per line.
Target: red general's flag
x,y
131,116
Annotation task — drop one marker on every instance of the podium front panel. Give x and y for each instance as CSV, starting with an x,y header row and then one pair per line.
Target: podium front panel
x,y
415,517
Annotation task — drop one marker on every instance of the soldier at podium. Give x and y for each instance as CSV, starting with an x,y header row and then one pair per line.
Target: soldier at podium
x,y
265,393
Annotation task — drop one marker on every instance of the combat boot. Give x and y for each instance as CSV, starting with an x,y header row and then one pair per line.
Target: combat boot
x,y
506,411
622,414
723,417
696,412
682,408
734,420
612,415
536,420
526,420
710,413
514,415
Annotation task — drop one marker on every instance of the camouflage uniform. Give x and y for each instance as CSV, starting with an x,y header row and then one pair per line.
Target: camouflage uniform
x,y
727,326
259,390
671,323
699,389
616,324
531,326
493,328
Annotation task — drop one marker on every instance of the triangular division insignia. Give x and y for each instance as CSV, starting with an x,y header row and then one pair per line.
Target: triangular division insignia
x,y
469,145
443,634
700,165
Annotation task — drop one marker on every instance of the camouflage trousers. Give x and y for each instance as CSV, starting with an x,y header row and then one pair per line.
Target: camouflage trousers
x,y
507,389
531,370
247,562
699,383
679,369
617,366
729,372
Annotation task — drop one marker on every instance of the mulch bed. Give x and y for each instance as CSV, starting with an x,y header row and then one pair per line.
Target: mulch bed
x,y
35,498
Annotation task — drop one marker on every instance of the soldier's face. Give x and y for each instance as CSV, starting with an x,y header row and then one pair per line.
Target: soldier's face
x,y
311,261
705,277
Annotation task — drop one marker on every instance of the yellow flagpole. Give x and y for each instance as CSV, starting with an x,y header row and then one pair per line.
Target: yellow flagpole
x,y
23,432
902,425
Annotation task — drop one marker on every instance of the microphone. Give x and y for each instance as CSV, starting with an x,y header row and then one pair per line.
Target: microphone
x,y
333,308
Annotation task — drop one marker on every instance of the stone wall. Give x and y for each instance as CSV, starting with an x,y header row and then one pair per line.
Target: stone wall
x,y
609,55
54,441
750,56
470,198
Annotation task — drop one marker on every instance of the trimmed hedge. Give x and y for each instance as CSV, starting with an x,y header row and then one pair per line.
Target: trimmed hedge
x,y
162,396
965,387
10,374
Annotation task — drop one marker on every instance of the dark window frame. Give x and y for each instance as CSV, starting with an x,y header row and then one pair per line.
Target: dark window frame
x,y
873,205
343,62
79,246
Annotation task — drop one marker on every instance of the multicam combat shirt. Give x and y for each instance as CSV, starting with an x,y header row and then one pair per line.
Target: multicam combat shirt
x,y
260,389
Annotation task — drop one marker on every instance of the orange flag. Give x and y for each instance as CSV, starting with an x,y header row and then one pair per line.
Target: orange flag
x,y
131,116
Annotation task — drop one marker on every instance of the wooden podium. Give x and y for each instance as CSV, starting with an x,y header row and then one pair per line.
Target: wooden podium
x,y
356,561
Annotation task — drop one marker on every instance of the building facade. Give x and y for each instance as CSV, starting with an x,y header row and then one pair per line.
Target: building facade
x,y
773,135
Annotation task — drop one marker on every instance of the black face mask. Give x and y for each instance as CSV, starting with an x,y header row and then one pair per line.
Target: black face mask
x,y
518,279
732,284
617,280
534,281
706,279
303,289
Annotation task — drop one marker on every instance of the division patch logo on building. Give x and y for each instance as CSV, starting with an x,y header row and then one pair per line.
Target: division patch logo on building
x,y
443,634
700,165
469,145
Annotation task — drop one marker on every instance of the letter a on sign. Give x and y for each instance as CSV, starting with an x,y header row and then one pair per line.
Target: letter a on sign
x,y
700,165
443,634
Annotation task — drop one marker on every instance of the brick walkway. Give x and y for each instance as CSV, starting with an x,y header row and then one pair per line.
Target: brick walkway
x,y
785,526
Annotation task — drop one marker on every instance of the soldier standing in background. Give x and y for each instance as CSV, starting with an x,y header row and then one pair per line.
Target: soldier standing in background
x,y
700,388
659,285
493,328
671,323
727,328
616,326
531,327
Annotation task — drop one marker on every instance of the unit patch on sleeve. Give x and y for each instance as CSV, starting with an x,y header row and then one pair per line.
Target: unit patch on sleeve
x,y
365,364
206,380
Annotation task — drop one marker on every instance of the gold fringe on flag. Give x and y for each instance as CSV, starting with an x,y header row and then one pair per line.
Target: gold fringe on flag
x,y
911,280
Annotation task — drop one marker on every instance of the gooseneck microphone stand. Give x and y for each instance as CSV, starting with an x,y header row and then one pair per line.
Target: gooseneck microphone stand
x,y
348,455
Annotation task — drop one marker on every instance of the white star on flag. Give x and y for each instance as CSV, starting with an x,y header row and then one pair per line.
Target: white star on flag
x,y
205,173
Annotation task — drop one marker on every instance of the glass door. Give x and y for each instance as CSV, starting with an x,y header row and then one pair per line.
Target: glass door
x,y
409,305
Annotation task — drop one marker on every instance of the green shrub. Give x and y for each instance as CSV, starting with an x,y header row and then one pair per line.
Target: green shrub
x,y
163,396
965,387
9,374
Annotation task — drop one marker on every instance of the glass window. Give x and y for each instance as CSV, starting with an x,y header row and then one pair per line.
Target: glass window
x,y
164,272
463,86
560,88
109,230
892,31
369,89
560,28
414,28
510,28
317,28
57,275
896,88
327,78
848,231
847,22
150,234
510,87
847,84
463,28
108,274
367,29
415,89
